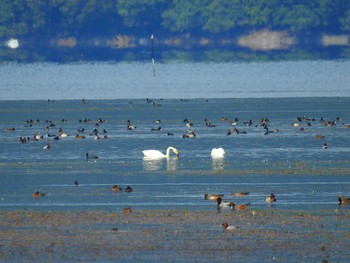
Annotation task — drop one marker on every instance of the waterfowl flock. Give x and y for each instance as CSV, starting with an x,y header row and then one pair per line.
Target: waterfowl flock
x,y
96,129
234,126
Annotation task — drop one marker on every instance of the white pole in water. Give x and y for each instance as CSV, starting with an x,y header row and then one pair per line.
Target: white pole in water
x,y
154,67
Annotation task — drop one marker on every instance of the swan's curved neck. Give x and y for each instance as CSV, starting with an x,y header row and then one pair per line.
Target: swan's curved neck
x,y
168,151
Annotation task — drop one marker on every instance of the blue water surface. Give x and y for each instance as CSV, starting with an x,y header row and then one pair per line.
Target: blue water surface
x,y
288,161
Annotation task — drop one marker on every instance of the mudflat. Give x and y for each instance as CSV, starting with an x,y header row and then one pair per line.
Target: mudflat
x,y
269,235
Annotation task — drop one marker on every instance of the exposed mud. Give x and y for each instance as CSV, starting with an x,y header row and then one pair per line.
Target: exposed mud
x,y
176,235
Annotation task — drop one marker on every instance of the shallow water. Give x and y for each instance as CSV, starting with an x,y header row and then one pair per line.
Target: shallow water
x,y
290,163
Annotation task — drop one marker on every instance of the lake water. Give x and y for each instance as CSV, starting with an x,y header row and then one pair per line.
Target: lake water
x,y
175,80
288,162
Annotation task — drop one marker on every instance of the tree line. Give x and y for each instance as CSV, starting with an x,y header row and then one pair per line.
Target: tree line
x,y
44,19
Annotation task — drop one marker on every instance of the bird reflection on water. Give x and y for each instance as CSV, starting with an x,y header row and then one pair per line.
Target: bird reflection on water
x,y
218,164
157,164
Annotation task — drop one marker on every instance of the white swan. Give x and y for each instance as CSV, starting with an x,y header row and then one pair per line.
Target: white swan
x,y
217,152
155,154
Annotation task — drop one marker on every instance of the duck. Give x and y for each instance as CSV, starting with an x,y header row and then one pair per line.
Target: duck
x,y
156,104
239,131
37,194
319,137
223,203
268,131
217,152
240,207
24,139
79,137
248,123
225,226
127,210
63,135
116,189
76,183
128,189
271,198
155,154
343,200
38,137
209,124
240,194
325,146
129,126
235,122
47,146
88,156
212,196
94,132
190,134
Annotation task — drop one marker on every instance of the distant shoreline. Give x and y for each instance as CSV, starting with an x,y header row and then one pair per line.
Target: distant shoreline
x,y
255,45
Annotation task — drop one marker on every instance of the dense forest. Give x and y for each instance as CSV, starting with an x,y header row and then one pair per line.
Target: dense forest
x,y
41,21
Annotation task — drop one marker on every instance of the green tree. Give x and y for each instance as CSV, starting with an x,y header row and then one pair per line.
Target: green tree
x,y
141,14
7,18
345,21
258,13
22,17
184,15
222,15
84,17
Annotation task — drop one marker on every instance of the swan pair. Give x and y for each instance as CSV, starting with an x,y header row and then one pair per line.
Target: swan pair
x,y
155,154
